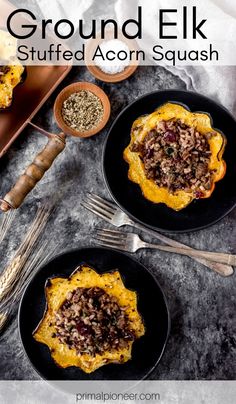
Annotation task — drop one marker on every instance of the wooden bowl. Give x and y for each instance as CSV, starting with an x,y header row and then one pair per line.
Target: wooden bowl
x,y
97,72
75,88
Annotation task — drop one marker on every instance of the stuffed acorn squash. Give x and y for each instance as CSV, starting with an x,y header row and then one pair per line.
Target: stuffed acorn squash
x,y
90,320
11,70
10,77
175,156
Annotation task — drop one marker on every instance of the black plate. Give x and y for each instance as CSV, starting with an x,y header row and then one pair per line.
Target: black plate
x,y
152,305
200,213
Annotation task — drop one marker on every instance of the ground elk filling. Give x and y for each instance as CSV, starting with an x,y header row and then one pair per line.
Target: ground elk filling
x,y
177,156
4,70
91,321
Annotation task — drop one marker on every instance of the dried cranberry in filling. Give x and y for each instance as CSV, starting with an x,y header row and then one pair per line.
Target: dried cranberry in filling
x,y
83,329
170,137
199,194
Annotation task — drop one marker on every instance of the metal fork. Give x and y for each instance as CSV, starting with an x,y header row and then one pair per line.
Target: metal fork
x,y
131,242
109,212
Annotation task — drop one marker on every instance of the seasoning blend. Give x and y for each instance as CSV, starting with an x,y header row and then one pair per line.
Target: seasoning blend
x,y
82,111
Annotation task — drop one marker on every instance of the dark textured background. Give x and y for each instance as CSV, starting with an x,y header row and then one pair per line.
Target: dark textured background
x,y
202,304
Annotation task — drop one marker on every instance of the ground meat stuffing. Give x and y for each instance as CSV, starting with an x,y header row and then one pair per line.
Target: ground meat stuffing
x,y
176,156
91,321
4,70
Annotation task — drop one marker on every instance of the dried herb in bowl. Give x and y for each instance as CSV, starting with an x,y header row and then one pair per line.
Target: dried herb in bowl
x,y
82,111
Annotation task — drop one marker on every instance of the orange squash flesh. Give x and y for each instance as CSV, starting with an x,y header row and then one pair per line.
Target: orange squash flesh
x,y
8,82
15,73
56,292
202,122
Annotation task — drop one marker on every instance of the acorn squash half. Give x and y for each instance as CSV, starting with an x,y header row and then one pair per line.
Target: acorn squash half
x,y
11,70
202,123
10,77
56,291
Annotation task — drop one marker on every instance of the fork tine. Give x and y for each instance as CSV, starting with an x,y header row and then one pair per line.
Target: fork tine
x,y
98,209
99,199
115,236
100,204
86,206
110,237
115,232
102,244
110,241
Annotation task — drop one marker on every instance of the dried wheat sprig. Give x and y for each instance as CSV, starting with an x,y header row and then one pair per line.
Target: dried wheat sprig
x,y
42,256
10,275
6,222
3,319
34,262
35,229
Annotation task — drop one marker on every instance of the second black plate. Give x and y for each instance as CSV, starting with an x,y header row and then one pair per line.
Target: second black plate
x,y
152,305
128,196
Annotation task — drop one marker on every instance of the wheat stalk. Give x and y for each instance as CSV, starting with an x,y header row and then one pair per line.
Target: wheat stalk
x,y
6,223
10,275
27,260
3,319
43,254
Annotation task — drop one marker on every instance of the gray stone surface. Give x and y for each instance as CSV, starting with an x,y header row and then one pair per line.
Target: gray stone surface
x,y
202,304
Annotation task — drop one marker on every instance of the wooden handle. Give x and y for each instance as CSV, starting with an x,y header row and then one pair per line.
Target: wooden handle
x,y
33,173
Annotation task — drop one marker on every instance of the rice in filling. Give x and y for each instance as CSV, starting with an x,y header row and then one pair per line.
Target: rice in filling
x,y
92,322
176,157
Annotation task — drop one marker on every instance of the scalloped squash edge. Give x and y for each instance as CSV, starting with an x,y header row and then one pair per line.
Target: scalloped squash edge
x,y
8,82
202,122
56,290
